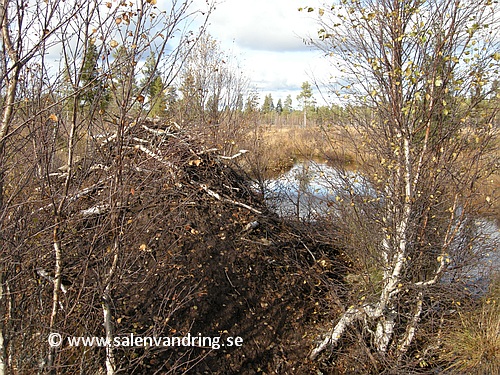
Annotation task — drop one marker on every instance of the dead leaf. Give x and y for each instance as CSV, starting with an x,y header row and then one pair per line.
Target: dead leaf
x,y
196,162
53,117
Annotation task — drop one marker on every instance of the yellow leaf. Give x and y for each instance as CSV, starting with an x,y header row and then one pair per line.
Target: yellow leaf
x,y
113,44
143,247
118,21
196,162
53,117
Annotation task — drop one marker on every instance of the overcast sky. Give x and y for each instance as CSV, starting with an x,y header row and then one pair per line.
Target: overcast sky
x,y
266,36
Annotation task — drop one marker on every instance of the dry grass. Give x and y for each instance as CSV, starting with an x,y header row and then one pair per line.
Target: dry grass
x,y
276,149
472,346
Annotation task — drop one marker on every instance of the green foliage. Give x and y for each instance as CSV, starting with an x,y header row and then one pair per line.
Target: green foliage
x,y
306,96
252,103
287,105
279,107
268,105
90,75
154,87
124,88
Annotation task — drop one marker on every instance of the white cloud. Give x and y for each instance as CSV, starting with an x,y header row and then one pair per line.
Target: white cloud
x,y
267,37
270,25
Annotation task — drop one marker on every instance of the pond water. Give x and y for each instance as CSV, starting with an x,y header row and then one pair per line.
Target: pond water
x,y
307,188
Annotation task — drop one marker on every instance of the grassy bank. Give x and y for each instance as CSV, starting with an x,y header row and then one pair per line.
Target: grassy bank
x,y
275,149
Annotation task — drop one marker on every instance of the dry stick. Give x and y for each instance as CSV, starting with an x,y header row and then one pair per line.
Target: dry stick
x,y
2,340
218,197
230,282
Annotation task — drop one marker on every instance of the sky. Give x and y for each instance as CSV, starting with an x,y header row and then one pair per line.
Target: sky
x,y
266,37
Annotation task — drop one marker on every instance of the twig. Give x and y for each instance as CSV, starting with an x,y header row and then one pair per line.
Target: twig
x,y
228,279
218,197
241,152
153,155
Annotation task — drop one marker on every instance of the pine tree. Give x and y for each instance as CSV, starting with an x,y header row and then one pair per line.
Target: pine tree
x,y
279,107
305,97
268,105
154,87
288,104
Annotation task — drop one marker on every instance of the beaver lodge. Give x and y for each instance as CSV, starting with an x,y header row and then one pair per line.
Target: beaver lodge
x,y
193,250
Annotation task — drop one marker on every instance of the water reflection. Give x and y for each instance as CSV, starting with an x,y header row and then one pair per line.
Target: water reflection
x,y
307,190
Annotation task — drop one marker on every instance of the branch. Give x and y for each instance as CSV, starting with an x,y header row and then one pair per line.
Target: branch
x,y
157,131
81,193
95,210
223,199
351,315
412,326
241,152
153,155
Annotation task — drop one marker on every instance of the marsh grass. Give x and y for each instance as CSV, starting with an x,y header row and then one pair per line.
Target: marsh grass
x,y
275,150
472,345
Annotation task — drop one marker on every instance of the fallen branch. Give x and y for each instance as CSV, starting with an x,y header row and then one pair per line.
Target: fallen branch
x,y
241,152
42,273
223,199
95,210
153,155
114,135
81,193
236,203
161,132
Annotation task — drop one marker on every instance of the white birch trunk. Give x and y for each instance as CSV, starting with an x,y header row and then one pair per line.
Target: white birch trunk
x,y
108,327
107,315
3,352
55,293
405,342
394,256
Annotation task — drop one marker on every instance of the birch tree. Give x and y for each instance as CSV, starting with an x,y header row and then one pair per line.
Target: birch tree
x,y
142,30
49,125
211,86
27,33
416,78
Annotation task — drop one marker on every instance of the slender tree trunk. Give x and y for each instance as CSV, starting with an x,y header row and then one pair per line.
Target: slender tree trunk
x,y
58,260
56,289
107,318
3,351
5,122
